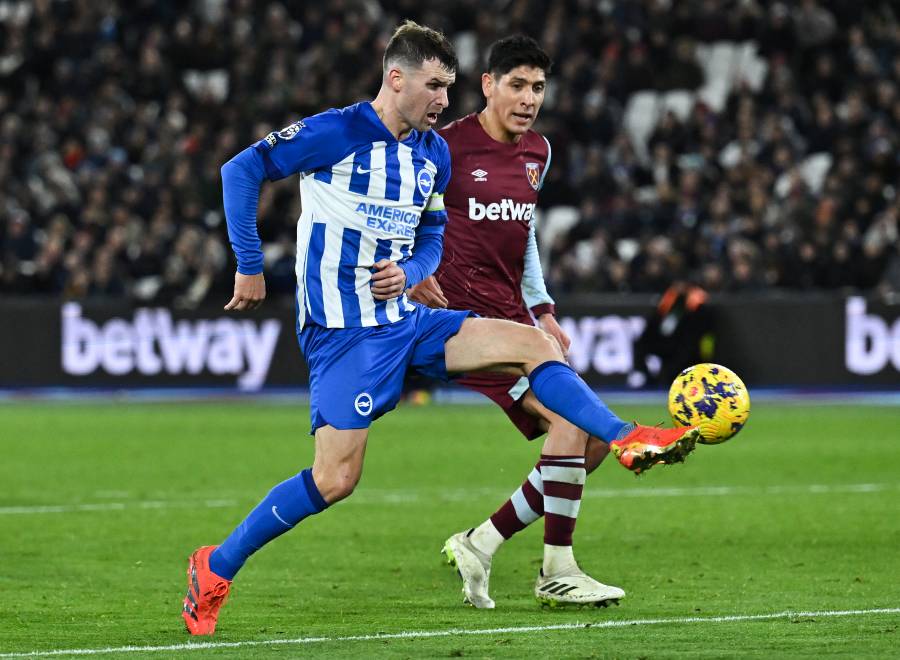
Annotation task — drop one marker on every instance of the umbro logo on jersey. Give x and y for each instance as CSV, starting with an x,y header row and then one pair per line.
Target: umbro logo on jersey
x,y
480,175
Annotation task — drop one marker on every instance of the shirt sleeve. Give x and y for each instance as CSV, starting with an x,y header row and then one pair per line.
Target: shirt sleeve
x,y
534,289
429,247
435,214
241,179
546,163
306,145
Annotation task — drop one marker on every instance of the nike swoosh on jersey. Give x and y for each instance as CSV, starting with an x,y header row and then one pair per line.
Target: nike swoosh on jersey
x,y
361,170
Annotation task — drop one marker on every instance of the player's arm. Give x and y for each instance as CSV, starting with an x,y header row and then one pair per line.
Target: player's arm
x,y
534,292
534,288
301,146
242,177
429,293
392,279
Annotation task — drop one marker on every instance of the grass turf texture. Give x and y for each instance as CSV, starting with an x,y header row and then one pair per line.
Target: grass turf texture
x,y
113,575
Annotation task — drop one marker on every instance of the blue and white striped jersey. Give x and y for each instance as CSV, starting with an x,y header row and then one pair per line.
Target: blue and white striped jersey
x,y
364,195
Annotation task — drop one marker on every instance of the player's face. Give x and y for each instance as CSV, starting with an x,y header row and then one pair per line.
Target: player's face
x,y
423,95
515,98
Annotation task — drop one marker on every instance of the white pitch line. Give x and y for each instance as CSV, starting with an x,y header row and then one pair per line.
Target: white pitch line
x,y
113,506
707,491
377,496
453,632
402,497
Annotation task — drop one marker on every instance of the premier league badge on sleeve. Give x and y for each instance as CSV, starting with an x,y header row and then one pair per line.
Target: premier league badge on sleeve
x,y
288,132
533,172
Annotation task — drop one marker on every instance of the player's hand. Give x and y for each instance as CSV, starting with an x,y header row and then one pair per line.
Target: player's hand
x,y
249,292
551,327
389,282
428,292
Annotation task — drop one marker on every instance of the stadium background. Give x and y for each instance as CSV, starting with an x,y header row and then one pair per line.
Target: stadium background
x,y
750,147
777,192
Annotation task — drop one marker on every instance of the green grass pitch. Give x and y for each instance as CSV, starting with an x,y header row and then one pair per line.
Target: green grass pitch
x,y
800,513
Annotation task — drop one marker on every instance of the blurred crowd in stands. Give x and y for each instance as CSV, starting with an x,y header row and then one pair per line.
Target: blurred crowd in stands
x,y
777,169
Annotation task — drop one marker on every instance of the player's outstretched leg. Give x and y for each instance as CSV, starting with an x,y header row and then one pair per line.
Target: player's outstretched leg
x,y
508,347
638,448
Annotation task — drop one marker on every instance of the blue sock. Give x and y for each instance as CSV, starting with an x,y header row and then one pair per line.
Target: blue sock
x,y
557,386
287,504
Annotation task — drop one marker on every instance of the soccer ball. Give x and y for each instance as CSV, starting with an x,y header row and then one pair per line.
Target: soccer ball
x,y
711,397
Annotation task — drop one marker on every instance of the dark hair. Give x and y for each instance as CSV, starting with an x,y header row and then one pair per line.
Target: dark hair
x,y
517,50
412,44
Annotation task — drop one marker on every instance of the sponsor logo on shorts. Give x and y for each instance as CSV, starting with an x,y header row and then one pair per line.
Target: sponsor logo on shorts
x,y
363,404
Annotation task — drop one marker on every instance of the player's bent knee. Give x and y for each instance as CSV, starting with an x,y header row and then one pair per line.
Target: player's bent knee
x,y
336,485
541,347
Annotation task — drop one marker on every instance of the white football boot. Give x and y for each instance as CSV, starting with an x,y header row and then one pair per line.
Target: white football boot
x,y
574,587
473,566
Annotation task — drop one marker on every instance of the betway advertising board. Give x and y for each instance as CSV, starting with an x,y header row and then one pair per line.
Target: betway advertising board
x,y
73,344
769,341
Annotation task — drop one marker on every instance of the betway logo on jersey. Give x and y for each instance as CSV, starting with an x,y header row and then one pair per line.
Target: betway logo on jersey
x,y
151,343
505,209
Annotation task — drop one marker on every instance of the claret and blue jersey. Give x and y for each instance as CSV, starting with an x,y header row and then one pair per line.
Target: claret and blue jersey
x,y
365,197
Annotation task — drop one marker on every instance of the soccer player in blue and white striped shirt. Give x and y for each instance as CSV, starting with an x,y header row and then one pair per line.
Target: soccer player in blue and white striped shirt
x,y
372,178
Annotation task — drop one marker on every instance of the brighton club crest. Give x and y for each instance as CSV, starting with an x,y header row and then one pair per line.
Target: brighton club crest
x,y
533,172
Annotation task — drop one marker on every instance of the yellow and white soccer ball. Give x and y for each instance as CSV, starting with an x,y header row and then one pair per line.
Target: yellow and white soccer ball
x,y
711,397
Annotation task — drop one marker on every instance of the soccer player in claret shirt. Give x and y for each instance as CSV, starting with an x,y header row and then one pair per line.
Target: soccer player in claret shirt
x,y
490,265
372,180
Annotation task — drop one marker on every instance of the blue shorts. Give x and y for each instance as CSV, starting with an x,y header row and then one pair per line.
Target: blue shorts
x,y
356,374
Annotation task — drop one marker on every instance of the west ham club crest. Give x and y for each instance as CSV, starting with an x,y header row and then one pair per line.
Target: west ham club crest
x,y
533,172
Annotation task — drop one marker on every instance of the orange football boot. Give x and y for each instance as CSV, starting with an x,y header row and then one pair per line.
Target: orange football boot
x,y
646,446
206,594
